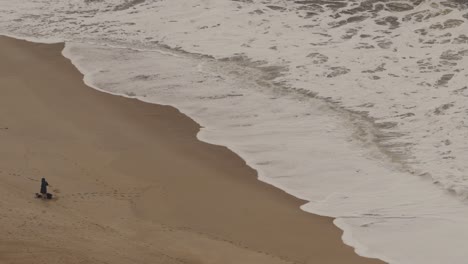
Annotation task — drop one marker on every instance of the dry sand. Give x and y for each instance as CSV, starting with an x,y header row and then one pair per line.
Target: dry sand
x,y
132,182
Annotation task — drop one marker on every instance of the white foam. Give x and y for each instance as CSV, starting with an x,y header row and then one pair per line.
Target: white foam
x,y
323,148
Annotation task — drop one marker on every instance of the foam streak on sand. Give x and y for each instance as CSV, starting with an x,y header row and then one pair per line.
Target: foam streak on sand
x,y
341,103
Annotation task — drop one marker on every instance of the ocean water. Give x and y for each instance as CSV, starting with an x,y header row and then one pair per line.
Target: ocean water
x,y
358,107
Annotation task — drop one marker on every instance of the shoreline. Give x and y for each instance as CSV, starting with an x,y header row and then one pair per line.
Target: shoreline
x,y
113,147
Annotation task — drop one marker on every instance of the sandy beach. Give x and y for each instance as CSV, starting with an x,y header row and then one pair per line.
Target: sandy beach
x,y
132,183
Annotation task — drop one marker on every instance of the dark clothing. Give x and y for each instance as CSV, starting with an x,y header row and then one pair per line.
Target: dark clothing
x,y
44,185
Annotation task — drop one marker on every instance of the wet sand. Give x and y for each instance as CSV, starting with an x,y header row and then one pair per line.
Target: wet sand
x,y
132,183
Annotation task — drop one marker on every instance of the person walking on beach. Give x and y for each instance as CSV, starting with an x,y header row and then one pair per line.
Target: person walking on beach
x,y
44,185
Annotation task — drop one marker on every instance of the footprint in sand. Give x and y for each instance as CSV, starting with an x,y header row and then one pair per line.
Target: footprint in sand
x,y
96,196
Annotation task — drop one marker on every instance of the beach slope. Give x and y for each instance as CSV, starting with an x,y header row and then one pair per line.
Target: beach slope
x,y
132,183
